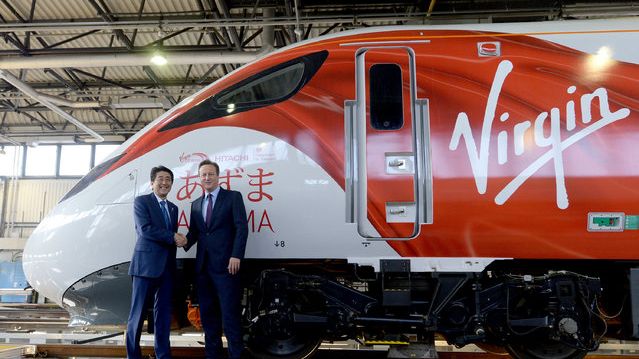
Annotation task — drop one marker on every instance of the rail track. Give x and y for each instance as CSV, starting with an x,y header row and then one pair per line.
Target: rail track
x,y
36,330
118,351
27,317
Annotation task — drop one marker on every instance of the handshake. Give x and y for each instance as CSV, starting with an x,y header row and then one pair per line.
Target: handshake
x,y
179,239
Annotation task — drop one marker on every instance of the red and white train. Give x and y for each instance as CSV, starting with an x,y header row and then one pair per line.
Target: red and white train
x,y
479,181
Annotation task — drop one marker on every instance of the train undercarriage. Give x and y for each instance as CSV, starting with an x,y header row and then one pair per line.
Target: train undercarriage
x,y
528,309
532,309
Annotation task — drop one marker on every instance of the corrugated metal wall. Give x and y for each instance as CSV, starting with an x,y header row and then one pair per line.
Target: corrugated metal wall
x,y
28,201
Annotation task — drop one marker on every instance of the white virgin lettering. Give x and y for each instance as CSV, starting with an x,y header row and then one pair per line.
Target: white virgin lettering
x,y
479,156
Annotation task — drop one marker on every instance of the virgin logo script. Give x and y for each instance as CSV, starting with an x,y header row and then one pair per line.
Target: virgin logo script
x,y
479,156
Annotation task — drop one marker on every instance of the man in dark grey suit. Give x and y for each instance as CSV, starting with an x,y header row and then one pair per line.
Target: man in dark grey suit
x,y
153,263
218,224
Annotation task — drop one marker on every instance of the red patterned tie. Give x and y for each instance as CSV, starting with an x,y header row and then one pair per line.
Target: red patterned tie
x,y
209,210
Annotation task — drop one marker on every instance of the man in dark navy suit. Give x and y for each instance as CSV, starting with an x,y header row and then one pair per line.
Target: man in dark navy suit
x,y
218,224
153,264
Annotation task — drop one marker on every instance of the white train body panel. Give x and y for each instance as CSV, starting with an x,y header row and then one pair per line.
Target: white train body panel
x,y
300,199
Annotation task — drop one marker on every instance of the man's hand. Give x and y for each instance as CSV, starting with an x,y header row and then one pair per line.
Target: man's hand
x,y
180,239
234,265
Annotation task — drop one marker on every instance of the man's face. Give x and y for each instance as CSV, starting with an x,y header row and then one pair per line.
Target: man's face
x,y
162,183
209,177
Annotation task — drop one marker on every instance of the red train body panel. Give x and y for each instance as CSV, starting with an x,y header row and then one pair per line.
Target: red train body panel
x,y
599,170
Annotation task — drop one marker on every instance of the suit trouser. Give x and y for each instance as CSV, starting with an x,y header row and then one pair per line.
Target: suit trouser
x,y
219,297
161,289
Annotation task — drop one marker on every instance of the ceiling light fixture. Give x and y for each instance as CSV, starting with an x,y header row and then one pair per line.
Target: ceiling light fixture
x,y
158,59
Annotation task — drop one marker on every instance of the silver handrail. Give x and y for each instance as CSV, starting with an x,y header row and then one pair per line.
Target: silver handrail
x,y
423,159
349,159
355,147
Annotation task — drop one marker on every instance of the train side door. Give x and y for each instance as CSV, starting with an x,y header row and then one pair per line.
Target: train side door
x,y
388,177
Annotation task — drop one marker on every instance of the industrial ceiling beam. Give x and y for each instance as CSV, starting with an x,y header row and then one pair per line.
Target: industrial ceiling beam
x,y
72,38
117,50
33,94
82,25
12,38
141,105
129,87
232,31
130,59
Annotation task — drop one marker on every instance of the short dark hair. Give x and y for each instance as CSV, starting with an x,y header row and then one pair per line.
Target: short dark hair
x,y
155,170
209,162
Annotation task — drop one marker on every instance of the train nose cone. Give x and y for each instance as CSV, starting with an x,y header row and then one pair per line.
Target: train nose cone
x,y
81,250
45,261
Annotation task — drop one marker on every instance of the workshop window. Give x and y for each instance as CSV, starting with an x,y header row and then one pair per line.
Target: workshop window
x,y
75,160
41,160
10,160
103,151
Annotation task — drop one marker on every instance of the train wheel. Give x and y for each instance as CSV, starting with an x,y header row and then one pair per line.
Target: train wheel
x,y
298,346
547,349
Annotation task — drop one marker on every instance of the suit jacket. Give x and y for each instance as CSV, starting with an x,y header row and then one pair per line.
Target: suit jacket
x,y
226,236
155,247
